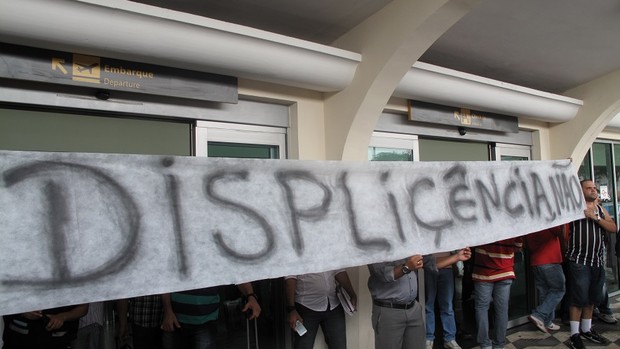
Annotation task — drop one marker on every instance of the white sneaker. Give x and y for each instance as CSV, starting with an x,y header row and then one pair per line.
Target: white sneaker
x,y
429,344
553,327
607,318
538,323
451,345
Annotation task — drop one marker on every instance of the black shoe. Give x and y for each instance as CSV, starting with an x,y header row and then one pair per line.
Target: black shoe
x,y
575,342
594,337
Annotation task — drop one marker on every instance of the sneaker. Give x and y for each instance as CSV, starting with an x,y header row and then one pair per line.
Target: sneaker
x,y
575,342
594,337
538,322
553,327
451,345
429,344
607,318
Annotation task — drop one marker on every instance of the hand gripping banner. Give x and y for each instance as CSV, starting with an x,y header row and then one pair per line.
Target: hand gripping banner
x,y
79,227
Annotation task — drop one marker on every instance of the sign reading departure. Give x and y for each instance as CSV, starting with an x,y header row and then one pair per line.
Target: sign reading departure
x,y
461,117
78,228
26,63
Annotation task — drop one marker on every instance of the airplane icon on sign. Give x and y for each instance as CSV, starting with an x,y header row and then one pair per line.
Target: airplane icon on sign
x,y
84,67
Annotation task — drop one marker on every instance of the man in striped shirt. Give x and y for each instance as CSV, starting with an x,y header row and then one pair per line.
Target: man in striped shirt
x,y
492,275
585,255
190,317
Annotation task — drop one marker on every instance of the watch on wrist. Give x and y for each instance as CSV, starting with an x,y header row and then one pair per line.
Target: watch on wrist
x,y
405,269
251,295
290,308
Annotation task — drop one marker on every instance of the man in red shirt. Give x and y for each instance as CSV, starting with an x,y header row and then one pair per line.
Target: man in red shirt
x,y
492,275
546,261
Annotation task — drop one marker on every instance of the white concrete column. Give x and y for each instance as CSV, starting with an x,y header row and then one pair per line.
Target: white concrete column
x,y
390,42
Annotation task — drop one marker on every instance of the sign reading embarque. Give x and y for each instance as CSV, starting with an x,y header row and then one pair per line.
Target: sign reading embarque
x,y
80,227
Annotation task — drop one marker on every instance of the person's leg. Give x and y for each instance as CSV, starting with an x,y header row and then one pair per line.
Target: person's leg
x,y
146,338
551,285
92,335
389,326
596,295
482,299
430,289
311,321
597,285
603,306
565,304
501,299
605,313
203,336
334,328
580,279
445,295
414,331
173,340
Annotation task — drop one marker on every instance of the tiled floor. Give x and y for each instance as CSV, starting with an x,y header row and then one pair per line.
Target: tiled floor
x,y
527,336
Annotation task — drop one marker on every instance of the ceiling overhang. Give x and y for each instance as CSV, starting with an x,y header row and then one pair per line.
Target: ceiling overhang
x,y
131,31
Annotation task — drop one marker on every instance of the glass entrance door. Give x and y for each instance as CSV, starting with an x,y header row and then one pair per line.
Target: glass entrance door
x,y
214,139
522,292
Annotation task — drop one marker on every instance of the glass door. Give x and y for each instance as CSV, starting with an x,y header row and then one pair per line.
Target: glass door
x,y
522,291
216,139
604,156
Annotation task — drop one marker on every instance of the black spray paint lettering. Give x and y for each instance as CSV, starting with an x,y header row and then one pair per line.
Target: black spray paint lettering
x,y
385,176
463,203
296,214
436,226
210,182
486,195
540,197
518,196
360,242
172,188
513,210
119,205
459,197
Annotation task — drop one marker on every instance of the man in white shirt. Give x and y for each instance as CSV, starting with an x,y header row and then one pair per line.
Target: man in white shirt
x,y
312,300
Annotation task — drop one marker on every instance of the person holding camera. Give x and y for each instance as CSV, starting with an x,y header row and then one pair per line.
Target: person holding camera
x,y
312,303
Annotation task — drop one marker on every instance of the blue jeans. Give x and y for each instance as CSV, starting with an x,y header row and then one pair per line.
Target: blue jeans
x,y
550,284
332,324
499,292
191,337
586,284
440,286
604,307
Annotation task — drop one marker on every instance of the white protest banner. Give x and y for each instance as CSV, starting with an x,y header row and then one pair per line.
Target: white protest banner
x,y
78,228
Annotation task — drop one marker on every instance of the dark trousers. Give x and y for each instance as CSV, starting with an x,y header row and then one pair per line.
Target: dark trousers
x,y
146,337
332,324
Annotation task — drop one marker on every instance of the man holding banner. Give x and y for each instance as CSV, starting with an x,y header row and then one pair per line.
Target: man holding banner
x,y
585,254
396,314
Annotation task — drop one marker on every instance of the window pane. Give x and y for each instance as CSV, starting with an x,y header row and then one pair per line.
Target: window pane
x,y
46,131
513,158
585,168
605,183
389,154
238,150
